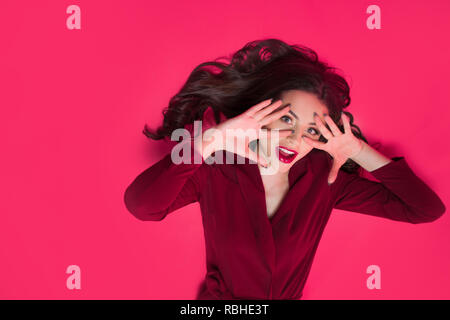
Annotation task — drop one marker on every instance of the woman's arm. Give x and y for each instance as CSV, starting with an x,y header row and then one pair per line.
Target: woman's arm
x,y
166,186
369,158
400,195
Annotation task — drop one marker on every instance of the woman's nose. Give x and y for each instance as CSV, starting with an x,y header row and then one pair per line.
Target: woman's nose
x,y
294,134
294,137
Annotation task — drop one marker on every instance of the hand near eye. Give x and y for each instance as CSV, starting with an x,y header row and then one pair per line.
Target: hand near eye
x,y
245,128
340,146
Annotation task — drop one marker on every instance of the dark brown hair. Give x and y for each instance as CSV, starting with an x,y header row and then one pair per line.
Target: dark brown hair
x,y
261,70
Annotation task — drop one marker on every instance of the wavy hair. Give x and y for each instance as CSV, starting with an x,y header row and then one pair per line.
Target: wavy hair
x,y
261,70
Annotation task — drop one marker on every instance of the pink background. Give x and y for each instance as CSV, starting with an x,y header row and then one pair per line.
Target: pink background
x,y
74,103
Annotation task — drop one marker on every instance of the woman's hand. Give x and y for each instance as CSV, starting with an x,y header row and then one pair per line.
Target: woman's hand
x,y
340,146
245,128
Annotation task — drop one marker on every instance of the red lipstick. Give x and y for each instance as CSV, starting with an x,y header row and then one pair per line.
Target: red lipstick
x,y
285,155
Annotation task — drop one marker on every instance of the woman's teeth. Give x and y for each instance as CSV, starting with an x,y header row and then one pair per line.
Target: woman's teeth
x,y
285,155
286,151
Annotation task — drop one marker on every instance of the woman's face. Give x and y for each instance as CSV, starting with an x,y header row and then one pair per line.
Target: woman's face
x,y
300,119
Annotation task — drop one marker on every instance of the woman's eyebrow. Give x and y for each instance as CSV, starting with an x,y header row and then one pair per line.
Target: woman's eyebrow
x,y
292,112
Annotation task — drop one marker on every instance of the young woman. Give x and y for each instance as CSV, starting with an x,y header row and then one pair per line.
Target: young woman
x,y
262,230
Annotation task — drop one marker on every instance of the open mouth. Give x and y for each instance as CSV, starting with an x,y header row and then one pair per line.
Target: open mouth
x,y
285,155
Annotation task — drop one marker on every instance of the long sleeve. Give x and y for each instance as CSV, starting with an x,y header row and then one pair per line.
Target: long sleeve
x,y
400,195
165,187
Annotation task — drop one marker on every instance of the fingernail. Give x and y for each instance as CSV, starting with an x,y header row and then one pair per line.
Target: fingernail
x,y
329,183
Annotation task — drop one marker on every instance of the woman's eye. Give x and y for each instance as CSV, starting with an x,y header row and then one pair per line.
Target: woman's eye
x,y
313,131
286,119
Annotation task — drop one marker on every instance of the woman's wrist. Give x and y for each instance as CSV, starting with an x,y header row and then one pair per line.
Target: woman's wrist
x,y
207,143
369,158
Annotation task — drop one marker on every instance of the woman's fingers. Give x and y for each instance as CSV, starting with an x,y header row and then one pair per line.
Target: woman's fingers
x,y
313,143
346,123
265,133
251,112
334,128
325,132
260,114
275,115
258,158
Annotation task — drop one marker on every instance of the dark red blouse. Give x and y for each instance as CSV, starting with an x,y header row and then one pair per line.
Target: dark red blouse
x,y
250,256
